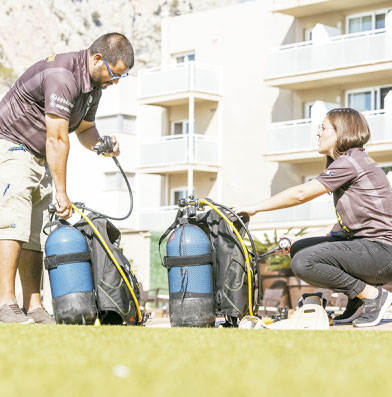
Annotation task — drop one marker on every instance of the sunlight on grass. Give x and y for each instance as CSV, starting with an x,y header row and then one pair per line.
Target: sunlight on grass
x,y
82,360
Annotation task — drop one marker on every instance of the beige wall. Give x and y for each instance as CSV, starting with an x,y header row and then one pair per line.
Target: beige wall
x,y
204,183
206,117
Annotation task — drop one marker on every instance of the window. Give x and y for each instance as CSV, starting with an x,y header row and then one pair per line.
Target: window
x,y
178,194
360,24
308,110
308,34
308,178
361,101
366,21
383,93
181,127
387,168
115,180
185,58
366,99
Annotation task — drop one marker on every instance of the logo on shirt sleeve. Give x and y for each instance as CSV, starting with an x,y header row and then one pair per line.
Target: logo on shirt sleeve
x,y
328,172
60,103
51,58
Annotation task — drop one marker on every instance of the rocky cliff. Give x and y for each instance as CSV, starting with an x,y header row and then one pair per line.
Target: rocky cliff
x,y
33,29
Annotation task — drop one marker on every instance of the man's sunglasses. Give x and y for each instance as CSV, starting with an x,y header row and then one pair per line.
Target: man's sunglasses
x,y
114,76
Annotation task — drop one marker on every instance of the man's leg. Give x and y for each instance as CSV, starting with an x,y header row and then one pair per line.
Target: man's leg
x,y
9,310
30,264
30,273
9,258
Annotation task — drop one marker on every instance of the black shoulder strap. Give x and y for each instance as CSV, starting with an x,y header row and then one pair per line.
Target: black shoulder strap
x,y
53,261
168,231
191,260
57,222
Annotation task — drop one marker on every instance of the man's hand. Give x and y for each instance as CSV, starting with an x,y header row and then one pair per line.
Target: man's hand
x,y
116,148
64,207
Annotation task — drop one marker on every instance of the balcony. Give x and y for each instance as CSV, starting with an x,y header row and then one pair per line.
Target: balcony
x,y
157,219
174,153
296,140
302,8
334,60
171,85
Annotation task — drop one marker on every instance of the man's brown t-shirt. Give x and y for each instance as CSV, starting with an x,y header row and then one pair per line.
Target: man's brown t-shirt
x,y
362,196
60,85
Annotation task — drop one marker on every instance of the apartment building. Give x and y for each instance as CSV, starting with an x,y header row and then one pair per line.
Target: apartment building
x,y
214,106
335,54
241,91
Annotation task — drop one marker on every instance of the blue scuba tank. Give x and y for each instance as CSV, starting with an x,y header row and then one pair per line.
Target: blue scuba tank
x,y
191,299
70,276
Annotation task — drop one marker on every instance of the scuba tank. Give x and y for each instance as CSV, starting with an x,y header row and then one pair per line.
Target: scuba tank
x,y
191,299
217,244
67,260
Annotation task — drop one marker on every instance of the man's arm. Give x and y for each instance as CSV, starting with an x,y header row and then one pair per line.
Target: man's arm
x,y
88,136
57,149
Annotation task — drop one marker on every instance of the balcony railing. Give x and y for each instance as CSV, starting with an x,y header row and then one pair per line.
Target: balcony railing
x,y
300,135
157,219
177,149
340,52
179,78
300,8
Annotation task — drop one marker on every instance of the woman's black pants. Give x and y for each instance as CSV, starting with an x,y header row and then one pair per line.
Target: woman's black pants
x,y
342,265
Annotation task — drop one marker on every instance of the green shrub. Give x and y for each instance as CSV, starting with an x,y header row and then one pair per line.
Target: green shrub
x,y
275,261
158,274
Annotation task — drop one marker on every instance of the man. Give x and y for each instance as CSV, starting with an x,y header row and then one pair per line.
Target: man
x,y
53,98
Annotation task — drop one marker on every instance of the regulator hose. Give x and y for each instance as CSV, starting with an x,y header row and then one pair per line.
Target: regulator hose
x,y
82,206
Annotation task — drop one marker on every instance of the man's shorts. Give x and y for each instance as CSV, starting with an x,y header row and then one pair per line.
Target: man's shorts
x,y
25,193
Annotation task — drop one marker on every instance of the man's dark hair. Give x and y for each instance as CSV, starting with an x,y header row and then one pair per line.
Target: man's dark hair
x,y
114,47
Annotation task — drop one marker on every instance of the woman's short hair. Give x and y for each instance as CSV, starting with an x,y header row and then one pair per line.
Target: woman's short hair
x,y
351,128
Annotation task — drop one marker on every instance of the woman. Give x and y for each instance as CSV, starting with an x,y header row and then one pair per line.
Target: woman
x,y
354,256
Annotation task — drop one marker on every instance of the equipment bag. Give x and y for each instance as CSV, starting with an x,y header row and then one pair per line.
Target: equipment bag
x,y
230,280
114,300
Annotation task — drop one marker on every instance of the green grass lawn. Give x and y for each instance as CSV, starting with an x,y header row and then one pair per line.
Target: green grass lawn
x,y
136,361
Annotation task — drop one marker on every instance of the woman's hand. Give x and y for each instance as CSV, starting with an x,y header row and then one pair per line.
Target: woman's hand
x,y
250,210
285,250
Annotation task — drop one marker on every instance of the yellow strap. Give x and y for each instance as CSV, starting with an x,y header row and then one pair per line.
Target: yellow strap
x,y
203,201
112,258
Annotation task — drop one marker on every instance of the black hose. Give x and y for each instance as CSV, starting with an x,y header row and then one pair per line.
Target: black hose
x,y
83,207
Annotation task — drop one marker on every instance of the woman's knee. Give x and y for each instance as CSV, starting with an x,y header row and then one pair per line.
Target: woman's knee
x,y
301,265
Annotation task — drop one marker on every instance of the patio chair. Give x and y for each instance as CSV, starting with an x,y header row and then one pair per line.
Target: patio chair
x,y
327,294
151,296
341,301
271,298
